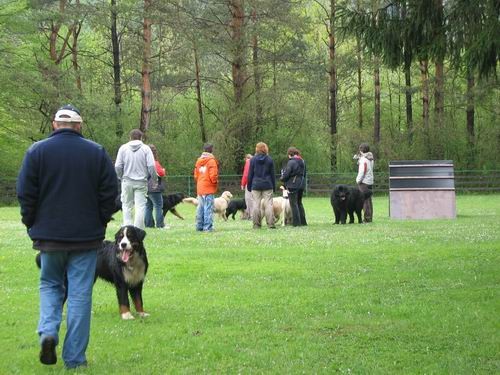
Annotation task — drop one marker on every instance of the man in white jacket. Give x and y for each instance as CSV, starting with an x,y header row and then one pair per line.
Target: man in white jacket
x,y
365,178
134,165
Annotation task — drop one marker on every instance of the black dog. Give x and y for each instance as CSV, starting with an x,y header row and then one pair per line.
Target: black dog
x,y
234,206
123,263
347,200
169,203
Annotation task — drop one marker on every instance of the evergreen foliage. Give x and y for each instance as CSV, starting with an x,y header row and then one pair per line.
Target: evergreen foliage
x,y
281,60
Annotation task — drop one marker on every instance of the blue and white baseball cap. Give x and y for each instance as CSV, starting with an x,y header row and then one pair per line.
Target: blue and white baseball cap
x,y
68,113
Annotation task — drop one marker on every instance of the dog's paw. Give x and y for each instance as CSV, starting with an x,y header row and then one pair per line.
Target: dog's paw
x,y
143,314
127,316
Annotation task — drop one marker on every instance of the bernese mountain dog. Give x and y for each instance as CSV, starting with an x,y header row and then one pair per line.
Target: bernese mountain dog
x,y
124,264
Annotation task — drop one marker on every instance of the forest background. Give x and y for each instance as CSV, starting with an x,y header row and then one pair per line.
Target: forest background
x,y
416,79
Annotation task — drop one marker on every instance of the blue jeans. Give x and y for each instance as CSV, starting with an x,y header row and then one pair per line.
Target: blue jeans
x,y
204,212
155,200
80,269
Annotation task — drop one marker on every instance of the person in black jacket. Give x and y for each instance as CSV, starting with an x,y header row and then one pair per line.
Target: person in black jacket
x,y
66,188
262,184
294,178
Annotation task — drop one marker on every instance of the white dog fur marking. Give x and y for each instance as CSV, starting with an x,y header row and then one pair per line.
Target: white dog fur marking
x,y
125,241
133,272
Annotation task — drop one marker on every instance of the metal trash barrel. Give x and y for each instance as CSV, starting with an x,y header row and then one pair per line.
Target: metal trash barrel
x,y
422,189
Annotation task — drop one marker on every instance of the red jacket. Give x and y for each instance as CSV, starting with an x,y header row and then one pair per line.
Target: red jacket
x,y
159,169
244,178
206,174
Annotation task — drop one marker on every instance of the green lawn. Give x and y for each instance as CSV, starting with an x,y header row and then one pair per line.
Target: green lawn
x,y
389,297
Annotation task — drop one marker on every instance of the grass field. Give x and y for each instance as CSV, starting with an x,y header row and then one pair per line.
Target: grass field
x,y
411,297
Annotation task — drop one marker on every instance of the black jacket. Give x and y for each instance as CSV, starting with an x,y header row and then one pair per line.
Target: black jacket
x,y
66,188
294,175
261,173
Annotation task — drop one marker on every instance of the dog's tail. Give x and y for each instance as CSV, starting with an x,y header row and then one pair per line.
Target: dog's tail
x,y
191,200
38,260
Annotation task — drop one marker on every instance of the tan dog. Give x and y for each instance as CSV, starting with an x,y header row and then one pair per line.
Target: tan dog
x,y
281,205
221,203
191,200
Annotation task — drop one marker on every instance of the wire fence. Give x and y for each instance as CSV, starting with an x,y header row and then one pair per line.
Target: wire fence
x,y
317,184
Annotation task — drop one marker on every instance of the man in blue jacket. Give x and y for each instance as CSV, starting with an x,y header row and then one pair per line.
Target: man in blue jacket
x,y
66,188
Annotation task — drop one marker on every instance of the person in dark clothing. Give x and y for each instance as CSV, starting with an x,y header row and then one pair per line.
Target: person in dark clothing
x,y
156,187
294,178
262,184
66,188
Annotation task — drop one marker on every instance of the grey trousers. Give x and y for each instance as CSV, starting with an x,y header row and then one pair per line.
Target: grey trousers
x,y
263,206
250,204
134,198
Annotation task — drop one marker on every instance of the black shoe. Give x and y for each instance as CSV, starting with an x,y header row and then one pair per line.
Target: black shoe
x,y
48,352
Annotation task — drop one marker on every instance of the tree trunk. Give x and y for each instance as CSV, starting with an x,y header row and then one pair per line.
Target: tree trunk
x,y
360,84
440,45
77,27
376,120
236,25
146,70
275,87
407,59
333,87
376,83
409,107
439,94
470,117
359,66
424,76
74,57
391,109
256,76
198,94
54,34
238,71
117,85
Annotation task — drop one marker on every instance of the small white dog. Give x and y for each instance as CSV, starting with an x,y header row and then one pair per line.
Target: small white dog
x,y
286,209
221,203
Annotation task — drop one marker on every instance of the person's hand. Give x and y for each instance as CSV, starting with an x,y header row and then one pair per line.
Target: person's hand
x,y
242,187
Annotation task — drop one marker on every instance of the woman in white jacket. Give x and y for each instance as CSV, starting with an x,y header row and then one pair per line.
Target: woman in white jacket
x,y
365,178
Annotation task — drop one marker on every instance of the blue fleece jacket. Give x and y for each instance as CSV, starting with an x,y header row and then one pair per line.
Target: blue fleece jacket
x,y
66,188
261,174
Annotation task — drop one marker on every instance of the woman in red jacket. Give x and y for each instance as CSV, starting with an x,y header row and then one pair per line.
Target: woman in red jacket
x,y
244,182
